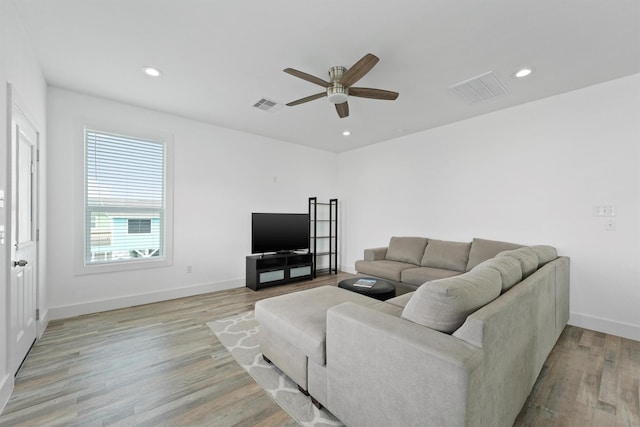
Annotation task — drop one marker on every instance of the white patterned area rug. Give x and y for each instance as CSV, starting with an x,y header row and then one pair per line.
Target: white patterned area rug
x,y
238,335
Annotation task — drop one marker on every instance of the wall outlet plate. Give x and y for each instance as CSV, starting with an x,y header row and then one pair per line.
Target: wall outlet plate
x,y
604,210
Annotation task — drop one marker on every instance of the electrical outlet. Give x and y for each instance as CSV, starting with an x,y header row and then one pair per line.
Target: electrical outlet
x,y
189,269
604,210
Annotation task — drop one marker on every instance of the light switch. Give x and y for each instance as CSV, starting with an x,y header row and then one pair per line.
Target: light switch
x,y
610,225
1,198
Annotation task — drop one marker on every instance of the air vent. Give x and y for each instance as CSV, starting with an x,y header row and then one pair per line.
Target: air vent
x,y
268,105
480,88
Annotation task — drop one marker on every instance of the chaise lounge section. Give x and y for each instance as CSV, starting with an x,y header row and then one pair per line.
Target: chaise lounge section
x,y
463,350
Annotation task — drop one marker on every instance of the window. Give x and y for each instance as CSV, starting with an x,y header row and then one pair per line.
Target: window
x,y
138,226
127,200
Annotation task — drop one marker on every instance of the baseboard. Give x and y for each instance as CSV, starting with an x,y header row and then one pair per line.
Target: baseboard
x,y
612,327
43,322
66,311
6,388
347,269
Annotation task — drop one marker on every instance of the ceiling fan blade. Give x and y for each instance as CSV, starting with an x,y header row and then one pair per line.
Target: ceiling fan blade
x,y
342,109
359,69
307,77
365,92
307,99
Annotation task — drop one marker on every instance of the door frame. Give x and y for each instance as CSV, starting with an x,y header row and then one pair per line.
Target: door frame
x,y
14,103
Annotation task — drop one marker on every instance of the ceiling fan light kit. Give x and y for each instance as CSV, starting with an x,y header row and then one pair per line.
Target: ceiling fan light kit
x,y
337,93
338,89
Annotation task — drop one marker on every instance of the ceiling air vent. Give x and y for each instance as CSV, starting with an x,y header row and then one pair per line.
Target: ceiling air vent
x,y
268,105
479,88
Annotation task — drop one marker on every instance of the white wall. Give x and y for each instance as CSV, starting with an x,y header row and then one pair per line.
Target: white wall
x,y
19,67
220,177
529,174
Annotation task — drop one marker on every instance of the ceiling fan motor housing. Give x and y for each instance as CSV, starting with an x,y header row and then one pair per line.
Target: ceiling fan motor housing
x,y
337,93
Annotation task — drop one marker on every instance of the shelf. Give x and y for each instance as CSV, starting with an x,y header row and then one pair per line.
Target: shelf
x,y
277,269
318,244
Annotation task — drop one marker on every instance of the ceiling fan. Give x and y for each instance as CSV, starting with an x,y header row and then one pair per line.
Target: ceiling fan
x,y
339,87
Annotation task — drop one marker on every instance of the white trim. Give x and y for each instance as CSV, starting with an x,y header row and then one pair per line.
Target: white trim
x,y
612,327
64,312
43,323
120,128
6,388
347,269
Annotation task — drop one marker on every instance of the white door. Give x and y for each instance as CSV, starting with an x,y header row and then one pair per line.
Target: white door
x,y
23,296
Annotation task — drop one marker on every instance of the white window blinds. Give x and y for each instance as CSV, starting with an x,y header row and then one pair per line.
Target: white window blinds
x,y
125,198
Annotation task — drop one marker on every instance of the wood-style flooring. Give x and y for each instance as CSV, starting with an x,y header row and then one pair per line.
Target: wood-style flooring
x,y
160,365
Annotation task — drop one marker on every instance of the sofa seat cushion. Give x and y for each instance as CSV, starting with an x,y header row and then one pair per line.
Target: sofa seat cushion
x,y
384,269
406,249
418,275
509,268
444,304
481,250
526,256
301,317
400,301
446,255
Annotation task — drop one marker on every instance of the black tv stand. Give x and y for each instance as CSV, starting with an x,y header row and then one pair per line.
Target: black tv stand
x,y
277,269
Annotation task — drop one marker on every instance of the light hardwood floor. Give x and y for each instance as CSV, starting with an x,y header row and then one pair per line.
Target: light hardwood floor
x,y
159,365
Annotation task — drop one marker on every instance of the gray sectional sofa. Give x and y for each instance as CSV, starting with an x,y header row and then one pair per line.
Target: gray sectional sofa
x,y
463,350
409,262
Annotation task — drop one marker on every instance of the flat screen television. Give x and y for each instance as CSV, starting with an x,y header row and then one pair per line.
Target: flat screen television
x,y
279,232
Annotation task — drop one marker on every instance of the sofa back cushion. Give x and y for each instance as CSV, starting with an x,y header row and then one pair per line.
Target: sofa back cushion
x,y
545,254
482,250
444,304
509,268
446,255
526,256
406,249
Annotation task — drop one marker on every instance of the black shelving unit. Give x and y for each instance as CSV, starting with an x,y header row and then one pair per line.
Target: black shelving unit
x,y
323,231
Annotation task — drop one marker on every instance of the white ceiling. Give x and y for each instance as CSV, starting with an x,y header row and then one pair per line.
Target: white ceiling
x,y
219,57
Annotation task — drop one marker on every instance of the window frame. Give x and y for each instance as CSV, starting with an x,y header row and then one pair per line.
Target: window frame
x,y
81,229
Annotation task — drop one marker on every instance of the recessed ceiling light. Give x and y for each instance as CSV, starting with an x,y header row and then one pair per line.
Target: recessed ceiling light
x,y
346,133
523,72
150,71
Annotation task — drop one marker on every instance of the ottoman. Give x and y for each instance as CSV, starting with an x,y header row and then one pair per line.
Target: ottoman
x,y
293,328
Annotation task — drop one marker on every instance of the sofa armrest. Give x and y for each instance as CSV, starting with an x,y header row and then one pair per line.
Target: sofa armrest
x,y
375,254
375,361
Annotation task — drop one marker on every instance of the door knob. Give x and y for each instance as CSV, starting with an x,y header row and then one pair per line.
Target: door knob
x,y
20,263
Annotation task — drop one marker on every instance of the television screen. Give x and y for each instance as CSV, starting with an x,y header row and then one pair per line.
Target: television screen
x,y
279,232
